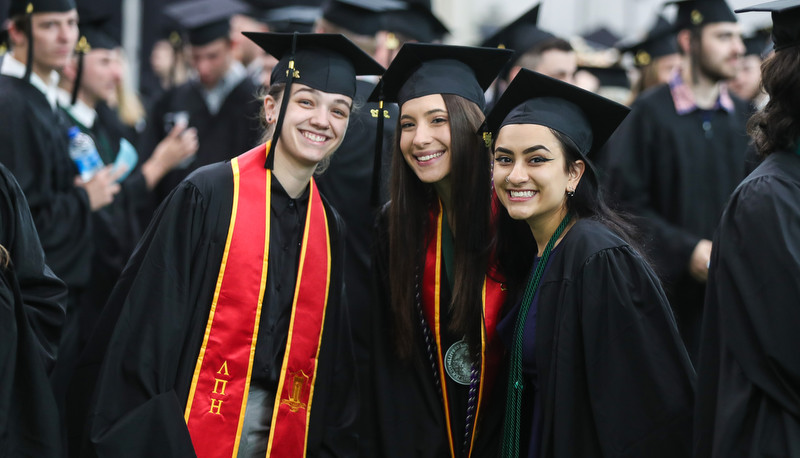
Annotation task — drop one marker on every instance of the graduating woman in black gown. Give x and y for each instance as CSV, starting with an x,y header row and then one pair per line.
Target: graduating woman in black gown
x,y
596,364
748,379
435,349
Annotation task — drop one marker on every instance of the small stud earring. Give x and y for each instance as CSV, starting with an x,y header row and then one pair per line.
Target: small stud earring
x,y
570,192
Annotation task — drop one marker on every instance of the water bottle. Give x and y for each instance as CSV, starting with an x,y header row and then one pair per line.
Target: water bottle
x,y
83,151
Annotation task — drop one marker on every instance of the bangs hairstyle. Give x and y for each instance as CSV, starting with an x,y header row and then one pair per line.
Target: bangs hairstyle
x,y
408,211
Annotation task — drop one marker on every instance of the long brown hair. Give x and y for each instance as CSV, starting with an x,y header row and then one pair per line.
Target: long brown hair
x,y
777,126
5,258
411,202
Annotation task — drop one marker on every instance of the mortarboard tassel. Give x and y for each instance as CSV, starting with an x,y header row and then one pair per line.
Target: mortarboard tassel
x,y
82,48
29,34
269,163
377,165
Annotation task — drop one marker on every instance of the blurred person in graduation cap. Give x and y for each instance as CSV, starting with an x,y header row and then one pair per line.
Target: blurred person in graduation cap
x,y
219,100
596,363
89,82
410,21
679,155
435,355
534,49
347,181
748,391
33,132
747,82
656,56
232,310
268,16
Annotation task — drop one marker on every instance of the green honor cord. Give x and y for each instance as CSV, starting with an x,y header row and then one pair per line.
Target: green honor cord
x,y
511,424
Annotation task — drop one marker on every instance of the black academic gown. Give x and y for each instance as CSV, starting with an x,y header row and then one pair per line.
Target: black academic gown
x,y
614,377
347,183
665,169
32,302
116,226
35,149
235,128
748,397
403,404
163,300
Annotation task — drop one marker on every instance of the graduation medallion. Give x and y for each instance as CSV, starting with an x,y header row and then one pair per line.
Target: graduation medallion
x,y
457,363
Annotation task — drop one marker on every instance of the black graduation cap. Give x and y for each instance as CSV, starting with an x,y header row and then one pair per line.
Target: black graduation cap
x,y
96,32
601,38
328,62
17,7
290,19
659,41
423,69
359,16
414,20
758,43
520,35
532,98
611,76
205,20
696,13
785,20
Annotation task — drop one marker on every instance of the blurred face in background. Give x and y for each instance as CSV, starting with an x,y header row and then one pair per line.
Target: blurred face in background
x,y
211,61
102,73
747,83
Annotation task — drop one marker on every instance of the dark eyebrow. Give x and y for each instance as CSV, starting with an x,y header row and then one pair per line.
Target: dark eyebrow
x,y
427,113
528,150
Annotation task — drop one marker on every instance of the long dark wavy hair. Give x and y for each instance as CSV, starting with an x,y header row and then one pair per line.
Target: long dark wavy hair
x,y
777,126
516,246
411,202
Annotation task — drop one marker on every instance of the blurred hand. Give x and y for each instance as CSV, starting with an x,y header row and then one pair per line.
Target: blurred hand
x,y
179,145
698,264
102,187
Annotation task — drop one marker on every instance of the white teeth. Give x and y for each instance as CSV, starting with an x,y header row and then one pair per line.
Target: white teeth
x,y
428,157
314,137
521,193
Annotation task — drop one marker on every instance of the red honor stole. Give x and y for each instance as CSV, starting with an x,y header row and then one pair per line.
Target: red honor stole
x,y
217,399
493,298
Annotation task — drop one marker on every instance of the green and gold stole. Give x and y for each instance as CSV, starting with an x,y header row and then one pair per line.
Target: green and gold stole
x,y
215,408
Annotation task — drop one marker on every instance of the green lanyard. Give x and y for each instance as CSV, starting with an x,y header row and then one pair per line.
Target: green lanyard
x,y
516,383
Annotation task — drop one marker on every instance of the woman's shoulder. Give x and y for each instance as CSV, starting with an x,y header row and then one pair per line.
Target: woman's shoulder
x,y
589,236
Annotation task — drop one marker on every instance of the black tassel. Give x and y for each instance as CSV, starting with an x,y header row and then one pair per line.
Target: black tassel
x,y
269,163
377,165
29,34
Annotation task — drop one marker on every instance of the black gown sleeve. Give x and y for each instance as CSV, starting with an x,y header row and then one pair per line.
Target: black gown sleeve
x,y
43,294
640,378
137,411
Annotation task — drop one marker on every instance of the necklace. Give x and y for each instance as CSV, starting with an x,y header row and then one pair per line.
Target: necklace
x,y
458,356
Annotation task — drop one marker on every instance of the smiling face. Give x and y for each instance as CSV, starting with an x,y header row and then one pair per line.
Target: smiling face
x,y
314,124
425,137
530,174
